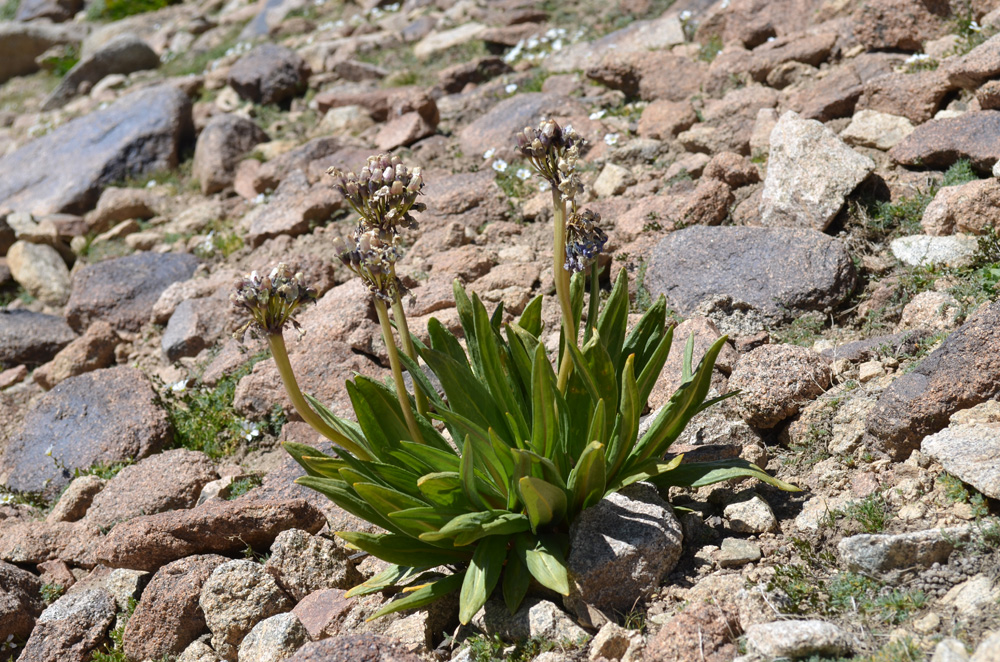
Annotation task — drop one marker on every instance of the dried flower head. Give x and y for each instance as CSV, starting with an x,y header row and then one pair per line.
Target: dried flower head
x,y
383,193
374,261
553,152
584,239
270,300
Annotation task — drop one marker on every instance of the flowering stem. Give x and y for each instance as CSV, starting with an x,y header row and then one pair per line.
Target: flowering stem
x,y
595,303
561,278
277,344
404,335
397,372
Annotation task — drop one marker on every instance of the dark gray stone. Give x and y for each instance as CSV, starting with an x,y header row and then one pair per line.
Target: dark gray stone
x,y
56,11
781,271
105,416
121,55
65,170
122,292
31,338
963,372
939,143
20,601
269,74
496,129
195,325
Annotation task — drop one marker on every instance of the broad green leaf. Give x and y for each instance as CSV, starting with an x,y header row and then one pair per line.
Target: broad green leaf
x,y
587,480
443,489
324,466
700,474
300,451
344,496
383,580
613,320
688,358
598,429
630,411
531,317
422,520
601,369
643,471
504,524
349,429
424,595
402,549
521,361
382,429
433,458
466,525
653,367
466,394
542,467
516,580
544,502
466,475
386,500
646,335
481,577
465,315
545,561
495,375
444,341
544,396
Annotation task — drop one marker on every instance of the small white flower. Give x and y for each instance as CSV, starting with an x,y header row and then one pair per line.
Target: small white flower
x,y
179,387
611,139
510,88
6,499
544,185
597,114
523,173
500,165
488,154
151,183
975,27
557,45
770,38
48,451
249,430
685,15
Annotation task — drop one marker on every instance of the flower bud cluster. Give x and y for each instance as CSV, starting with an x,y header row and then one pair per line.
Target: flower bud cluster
x,y
383,193
584,239
270,300
553,151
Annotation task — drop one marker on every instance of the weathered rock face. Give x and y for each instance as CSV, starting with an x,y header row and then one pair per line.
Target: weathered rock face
x,y
346,649
65,170
168,616
269,74
917,96
274,638
71,628
972,207
165,481
650,75
20,601
900,24
810,172
302,564
122,54
225,527
875,555
221,144
534,618
701,631
123,291
795,639
104,416
781,271
40,270
963,372
237,596
94,350
775,381
37,542
21,43
195,325
290,211
495,129
939,143
31,338
620,550
970,452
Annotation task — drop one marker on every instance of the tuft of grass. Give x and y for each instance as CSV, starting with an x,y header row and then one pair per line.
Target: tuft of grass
x,y
8,9
483,648
956,491
242,486
104,470
115,652
960,172
204,419
115,10
193,62
803,330
711,49
872,513
51,592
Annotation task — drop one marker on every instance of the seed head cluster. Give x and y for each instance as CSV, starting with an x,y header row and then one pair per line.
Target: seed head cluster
x,y
384,195
270,300
553,151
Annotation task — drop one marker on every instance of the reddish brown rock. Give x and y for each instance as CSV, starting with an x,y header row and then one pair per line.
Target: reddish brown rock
x,y
811,49
74,502
901,24
775,381
355,648
916,96
403,131
20,601
384,104
322,612
938,144
225,527
702,631
976,67
833,96
963,372
57,572
270,174
454,78
94,350
972,207
221,145
705,334
292,210
37,542
664,119
165,481
168,616
71,628
733,169
651,75
466,263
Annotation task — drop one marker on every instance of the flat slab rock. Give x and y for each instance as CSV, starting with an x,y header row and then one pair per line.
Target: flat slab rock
x,y
939,143
496,129
780,271
31,338
104,416
354,648
874,554
970,452
963,372
65,170
215,527
123,291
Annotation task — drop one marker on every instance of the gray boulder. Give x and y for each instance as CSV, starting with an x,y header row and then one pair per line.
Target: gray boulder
x,y
121,55
65,170
795,639
275,638
103,416
782,272
877,554
810,172
221,145
620,550
31,338
269,74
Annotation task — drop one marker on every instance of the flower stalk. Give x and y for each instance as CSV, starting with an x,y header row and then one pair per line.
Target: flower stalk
x,y
561,277
397,371
399,315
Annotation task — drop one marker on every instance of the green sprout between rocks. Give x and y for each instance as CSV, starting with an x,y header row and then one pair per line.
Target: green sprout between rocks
x,y
475,485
